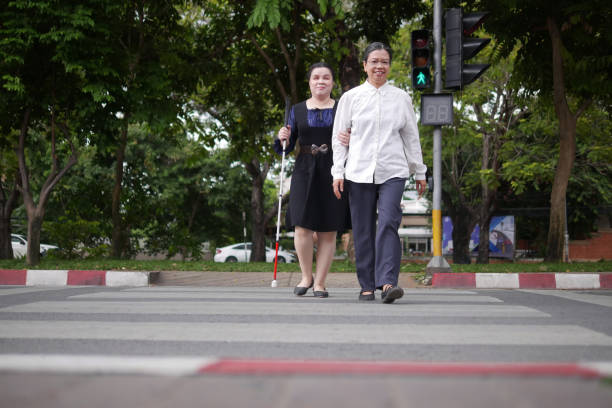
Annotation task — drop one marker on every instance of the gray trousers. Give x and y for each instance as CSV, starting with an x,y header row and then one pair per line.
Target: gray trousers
x,y
378,250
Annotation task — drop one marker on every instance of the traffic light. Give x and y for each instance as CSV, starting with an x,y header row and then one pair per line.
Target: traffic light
x,y
421,59
460,47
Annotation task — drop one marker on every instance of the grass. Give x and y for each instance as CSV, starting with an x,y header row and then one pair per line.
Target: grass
x,y
337,266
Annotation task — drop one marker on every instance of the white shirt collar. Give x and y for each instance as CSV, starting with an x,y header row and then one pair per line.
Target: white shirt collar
x,y
372,88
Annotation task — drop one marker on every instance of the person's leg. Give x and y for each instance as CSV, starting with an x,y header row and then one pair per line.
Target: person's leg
x,y
303,245
362,200
388,247
326,247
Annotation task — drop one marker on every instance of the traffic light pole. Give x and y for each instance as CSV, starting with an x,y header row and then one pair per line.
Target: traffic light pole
x,y
437,263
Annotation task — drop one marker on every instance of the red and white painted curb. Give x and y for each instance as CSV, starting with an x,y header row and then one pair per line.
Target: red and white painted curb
x,y
523,280
180,366
37,277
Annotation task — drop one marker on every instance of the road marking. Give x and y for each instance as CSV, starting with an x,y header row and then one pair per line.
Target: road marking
x,y
497,280
184,366
577,280
4,291
46,277
315,307
601,300
409,298
337,333
92,364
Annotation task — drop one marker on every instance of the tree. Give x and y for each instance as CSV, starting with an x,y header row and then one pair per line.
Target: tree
x,y
9,196
153,75
49,85
529,169
565,53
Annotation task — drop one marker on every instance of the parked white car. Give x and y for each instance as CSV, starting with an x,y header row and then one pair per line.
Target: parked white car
x,y
237,253
20,246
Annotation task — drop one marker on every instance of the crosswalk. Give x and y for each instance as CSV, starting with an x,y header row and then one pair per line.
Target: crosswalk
x,y
186,326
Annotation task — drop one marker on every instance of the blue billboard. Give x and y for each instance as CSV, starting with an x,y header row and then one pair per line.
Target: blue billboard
x,y
501,237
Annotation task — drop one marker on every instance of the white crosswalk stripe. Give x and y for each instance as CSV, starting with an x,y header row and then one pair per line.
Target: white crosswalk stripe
x,y
234,318
326,333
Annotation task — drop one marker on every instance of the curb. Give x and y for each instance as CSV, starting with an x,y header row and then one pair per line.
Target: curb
x,y
190,366
38,277
523,280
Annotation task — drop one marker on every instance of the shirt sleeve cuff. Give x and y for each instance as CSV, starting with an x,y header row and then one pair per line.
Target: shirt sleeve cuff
x,y
337,174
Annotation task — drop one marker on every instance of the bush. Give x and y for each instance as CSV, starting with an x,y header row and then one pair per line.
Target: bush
x,y
76,238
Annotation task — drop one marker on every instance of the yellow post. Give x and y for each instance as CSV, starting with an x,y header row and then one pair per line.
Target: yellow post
x,y
437,236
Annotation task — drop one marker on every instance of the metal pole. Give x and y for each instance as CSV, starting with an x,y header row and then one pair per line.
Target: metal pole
x,y
437,263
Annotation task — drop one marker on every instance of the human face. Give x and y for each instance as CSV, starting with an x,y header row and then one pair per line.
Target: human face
x,y
321,82
377,67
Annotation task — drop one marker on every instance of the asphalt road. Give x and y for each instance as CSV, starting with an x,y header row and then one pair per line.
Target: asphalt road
x,y
64,347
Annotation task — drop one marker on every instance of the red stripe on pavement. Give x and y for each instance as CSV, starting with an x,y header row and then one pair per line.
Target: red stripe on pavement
x,y
537,281
278,367
12,277
87,278
605,280
454,280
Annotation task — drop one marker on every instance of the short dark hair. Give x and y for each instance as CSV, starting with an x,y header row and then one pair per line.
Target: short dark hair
x,y
377,46
319,65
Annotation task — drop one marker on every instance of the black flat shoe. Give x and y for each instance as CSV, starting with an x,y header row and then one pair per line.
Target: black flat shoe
x,y
391,294
321,293
369,296
301,290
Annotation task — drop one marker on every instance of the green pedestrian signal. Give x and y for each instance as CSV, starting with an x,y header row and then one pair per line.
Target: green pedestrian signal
x,y
421,79
421,59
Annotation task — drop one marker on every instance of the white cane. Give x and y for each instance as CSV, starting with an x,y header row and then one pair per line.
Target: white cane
x,y
280,193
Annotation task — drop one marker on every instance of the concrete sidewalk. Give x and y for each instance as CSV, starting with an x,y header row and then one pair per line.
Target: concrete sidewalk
x,y
259,279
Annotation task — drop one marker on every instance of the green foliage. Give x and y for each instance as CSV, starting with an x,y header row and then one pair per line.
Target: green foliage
x,y
337,266
76,237
586,37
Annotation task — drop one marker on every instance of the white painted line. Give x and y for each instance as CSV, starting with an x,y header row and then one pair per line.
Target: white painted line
x,y
594,299
229,296
409,334
603,367
346,292
275,309
35,277
127,278
89,364
577,280
497,280
4,291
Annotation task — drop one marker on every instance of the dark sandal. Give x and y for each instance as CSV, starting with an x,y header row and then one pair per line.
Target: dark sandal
x,y
391,294
301,290
321,293
367,297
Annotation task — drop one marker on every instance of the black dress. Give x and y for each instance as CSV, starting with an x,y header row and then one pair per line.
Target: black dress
x,y
312,203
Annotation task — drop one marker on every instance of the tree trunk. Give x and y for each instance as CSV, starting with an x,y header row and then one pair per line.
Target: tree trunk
x,y
462,229
567,148
35,212
118,234
6,246
35,221
258,228
556,226
350,66
7,205
483,241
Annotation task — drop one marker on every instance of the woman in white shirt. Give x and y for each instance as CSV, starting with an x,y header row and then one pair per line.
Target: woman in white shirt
x,y
384,150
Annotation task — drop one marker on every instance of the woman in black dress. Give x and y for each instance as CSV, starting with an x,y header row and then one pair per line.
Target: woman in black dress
x,y
313,208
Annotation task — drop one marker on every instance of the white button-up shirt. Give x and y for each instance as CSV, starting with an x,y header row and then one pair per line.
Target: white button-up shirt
x,y
384,140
